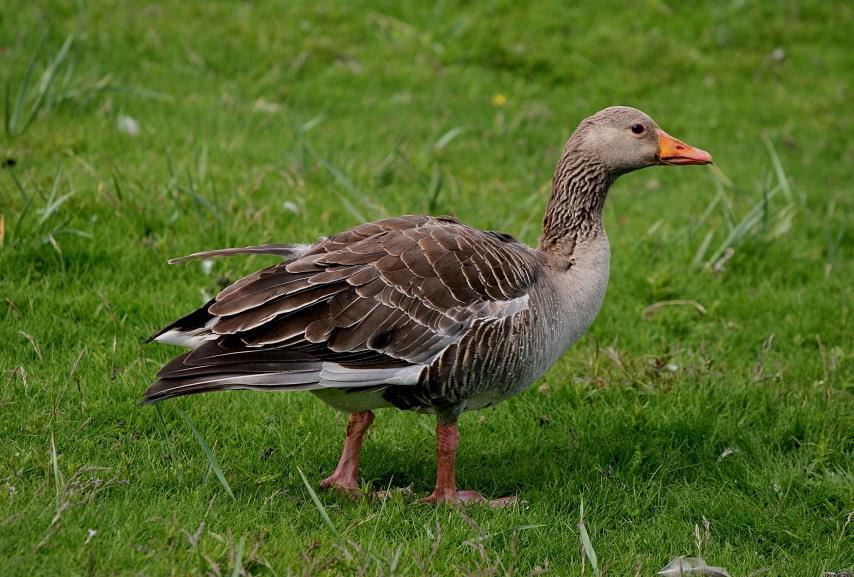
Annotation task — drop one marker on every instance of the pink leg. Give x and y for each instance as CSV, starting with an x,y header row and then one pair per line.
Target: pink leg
x,y
346,475
447,442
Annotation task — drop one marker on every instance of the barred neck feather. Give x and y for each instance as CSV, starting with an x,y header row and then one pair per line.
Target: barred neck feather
x,y
574,213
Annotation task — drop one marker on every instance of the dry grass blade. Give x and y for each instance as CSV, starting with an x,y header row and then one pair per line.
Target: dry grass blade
x,y
208,453
656,307
33,342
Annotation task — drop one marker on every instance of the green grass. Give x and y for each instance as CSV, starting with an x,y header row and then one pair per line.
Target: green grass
x,y
283,122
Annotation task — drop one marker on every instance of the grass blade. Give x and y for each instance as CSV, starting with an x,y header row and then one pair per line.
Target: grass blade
x,y
311,123
238,558
446,138
320,508
24,194
46,80
435,188
751,219
703,249
782,179
211,459
709,209
350,187
23,90
131,91
53,203
50,72
585,541
7,103
14,235
54,87
57,474
165,432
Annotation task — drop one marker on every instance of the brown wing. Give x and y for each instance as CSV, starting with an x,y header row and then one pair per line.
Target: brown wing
x,y
403,288
368,307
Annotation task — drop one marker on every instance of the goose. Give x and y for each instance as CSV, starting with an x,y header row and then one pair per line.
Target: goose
x,y
420,313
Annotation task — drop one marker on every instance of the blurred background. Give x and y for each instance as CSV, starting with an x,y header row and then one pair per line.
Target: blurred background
x,y
713,394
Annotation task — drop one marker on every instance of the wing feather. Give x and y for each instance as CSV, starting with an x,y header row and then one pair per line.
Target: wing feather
x,y
387,294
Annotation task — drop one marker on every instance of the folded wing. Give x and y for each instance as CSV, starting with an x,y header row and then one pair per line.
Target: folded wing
x,y
372,305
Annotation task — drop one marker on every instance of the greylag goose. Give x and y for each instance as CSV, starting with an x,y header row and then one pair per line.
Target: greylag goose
x,y
418,312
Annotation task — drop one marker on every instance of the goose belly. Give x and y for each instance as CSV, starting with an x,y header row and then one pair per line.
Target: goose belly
x,y
352,401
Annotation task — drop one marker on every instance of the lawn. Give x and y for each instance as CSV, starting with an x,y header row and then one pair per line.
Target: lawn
x,y
708,410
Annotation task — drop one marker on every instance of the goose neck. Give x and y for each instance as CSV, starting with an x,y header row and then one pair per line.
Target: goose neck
x,y
574,212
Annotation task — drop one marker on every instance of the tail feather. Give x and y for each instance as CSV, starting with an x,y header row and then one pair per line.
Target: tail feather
x,y
186,327
286,251
189,323
214,367
291,381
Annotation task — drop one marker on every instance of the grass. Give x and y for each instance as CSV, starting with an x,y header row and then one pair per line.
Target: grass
x,y
707,413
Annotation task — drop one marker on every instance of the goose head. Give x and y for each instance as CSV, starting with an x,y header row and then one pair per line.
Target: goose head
x,y
622,139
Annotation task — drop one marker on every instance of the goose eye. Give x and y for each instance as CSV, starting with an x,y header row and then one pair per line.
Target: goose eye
x,y
638,128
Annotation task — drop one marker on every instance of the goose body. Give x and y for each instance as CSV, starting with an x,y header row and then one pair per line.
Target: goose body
x,y
418,312
413,312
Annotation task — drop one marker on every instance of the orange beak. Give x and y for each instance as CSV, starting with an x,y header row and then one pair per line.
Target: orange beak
x,y
673,151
